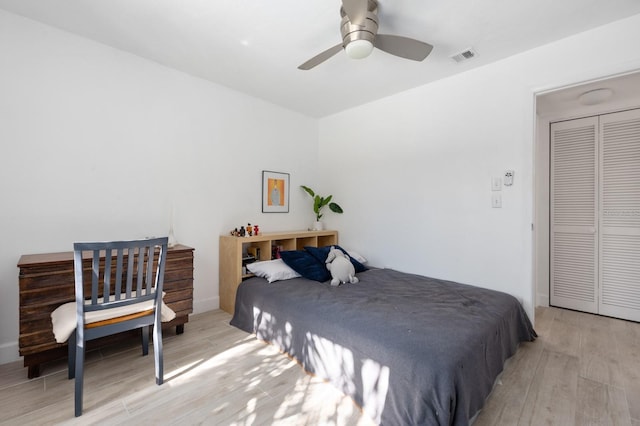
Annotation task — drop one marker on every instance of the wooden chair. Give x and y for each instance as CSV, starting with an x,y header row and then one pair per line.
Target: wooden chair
x,y
124,296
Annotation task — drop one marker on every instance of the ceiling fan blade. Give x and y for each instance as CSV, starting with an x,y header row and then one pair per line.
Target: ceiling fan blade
x,y
320,58
356,10
403,47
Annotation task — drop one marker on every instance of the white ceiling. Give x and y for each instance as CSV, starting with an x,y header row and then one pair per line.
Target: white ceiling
x,y
255,46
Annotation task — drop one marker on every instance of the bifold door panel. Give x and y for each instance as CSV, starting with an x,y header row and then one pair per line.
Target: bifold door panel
x,y
595,214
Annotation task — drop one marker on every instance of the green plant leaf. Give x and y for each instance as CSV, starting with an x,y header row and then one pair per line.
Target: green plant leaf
x,y
317,204
309,190
335,208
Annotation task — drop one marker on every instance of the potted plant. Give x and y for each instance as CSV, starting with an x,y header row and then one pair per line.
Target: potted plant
x,y
318,204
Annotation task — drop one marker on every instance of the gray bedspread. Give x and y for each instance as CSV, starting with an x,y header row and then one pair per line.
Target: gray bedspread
x,y
410,350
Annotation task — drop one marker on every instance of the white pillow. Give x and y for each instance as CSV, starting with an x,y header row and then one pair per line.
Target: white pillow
x,y
357,256
272,270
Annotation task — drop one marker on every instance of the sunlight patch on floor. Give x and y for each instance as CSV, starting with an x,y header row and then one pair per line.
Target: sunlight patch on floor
x,y
194,369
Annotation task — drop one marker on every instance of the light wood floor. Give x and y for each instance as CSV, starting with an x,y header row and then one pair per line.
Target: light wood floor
x,y
583,370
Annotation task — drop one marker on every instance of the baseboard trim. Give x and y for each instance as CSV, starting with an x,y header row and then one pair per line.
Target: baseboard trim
x,y
543,300
9,353
205,305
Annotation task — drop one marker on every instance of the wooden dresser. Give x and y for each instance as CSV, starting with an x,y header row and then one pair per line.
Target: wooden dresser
x,y
47,281
234,249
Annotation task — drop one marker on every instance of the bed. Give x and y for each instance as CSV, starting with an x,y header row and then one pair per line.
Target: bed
x,y
407,348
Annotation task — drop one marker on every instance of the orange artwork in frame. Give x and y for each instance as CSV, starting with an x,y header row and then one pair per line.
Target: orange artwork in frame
x,y
275,192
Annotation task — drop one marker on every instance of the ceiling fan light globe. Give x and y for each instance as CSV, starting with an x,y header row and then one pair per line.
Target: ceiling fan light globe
x,y
359,49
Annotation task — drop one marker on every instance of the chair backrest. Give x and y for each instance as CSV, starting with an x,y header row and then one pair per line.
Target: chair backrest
x,y
122,273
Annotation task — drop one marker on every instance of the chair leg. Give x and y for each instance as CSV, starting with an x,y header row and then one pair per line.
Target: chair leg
x,y
157,353
79,359
71,356
145,340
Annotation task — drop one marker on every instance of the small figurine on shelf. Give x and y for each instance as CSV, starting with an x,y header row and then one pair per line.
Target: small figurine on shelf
x,y
242,231
235,232
249,230
255,230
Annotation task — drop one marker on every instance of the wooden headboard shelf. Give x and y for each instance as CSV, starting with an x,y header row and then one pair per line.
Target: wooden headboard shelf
x,y
233,249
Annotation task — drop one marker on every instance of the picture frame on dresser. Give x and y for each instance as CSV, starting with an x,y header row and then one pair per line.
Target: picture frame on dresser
x,y
275,192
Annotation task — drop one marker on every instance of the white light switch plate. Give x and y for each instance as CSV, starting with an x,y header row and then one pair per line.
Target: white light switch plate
x,y
496,200
496,183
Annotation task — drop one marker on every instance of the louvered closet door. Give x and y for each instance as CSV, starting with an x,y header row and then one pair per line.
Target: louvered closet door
x,y
574,243
620,215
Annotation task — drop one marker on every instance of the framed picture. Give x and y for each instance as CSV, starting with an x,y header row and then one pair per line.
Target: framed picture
x,y
275,192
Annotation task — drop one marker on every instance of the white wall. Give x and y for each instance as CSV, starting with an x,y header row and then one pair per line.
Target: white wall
x,y
413,171
81,124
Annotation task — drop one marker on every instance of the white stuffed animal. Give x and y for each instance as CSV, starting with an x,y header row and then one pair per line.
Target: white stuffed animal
x,y
341,268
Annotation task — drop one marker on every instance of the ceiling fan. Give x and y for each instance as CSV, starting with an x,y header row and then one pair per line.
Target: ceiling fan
x,y
359,28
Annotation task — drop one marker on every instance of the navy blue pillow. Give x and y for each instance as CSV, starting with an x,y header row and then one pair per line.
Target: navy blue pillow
x,y
306,265
321,253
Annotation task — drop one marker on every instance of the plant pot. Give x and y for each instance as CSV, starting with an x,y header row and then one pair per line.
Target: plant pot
x,y
318,226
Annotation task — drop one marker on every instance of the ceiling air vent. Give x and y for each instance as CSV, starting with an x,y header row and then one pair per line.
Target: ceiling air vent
x,y
465,55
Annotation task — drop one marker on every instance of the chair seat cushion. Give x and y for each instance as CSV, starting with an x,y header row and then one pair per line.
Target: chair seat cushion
x,y
63,317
